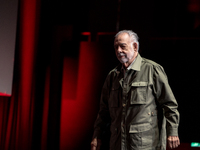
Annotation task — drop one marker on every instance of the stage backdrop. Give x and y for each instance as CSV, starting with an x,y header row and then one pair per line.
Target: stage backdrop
x,y
8,27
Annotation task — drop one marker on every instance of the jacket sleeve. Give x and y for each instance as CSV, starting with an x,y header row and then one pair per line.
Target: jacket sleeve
x,y
166,100
103,118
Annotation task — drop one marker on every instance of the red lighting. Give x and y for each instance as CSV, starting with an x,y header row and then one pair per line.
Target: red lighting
x,y
76,116
4,94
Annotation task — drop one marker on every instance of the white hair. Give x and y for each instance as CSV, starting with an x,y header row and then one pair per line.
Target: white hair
x,y
134,37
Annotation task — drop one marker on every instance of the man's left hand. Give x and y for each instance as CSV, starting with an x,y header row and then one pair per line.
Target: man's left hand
x,y
173,141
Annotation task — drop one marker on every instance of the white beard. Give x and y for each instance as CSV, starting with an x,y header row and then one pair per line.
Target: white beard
x,y
124,59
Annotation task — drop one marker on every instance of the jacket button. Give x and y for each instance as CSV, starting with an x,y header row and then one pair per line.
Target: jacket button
x,y
124,105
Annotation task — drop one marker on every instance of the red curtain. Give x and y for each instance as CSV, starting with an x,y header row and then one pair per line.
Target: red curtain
x,y
17,112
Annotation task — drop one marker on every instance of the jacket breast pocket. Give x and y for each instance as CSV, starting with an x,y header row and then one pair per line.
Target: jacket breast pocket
x,y
140,135
114,97
138,93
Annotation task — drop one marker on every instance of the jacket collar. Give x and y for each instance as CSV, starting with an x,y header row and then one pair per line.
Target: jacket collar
x,y
137,64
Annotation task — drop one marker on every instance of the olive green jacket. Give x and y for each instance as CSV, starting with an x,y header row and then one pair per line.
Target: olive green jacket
x,y
131,104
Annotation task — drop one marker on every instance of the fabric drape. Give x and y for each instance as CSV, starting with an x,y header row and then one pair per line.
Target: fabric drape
x,y
17,113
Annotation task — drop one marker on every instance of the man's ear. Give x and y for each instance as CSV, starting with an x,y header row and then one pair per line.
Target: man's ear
x,y
135,46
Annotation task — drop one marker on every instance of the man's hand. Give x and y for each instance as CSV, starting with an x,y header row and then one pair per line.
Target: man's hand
x,y
173,141
95,144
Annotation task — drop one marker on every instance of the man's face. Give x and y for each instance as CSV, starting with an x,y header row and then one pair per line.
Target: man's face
x,y
124,48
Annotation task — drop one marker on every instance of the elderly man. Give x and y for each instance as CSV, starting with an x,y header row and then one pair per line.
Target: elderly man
x,y
132,96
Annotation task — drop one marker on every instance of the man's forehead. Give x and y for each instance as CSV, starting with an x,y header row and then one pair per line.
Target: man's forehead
x,y
120,43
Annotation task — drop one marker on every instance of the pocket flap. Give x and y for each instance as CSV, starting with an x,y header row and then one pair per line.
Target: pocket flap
x,y
137,101
136,84
139,128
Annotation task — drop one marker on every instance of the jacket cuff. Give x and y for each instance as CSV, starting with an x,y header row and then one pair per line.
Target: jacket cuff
x,y
172,131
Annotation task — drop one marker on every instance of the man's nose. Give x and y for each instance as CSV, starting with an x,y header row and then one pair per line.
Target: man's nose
x,y
119,50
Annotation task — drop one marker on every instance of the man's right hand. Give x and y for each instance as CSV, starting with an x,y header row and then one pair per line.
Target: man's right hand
x,y
95,144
